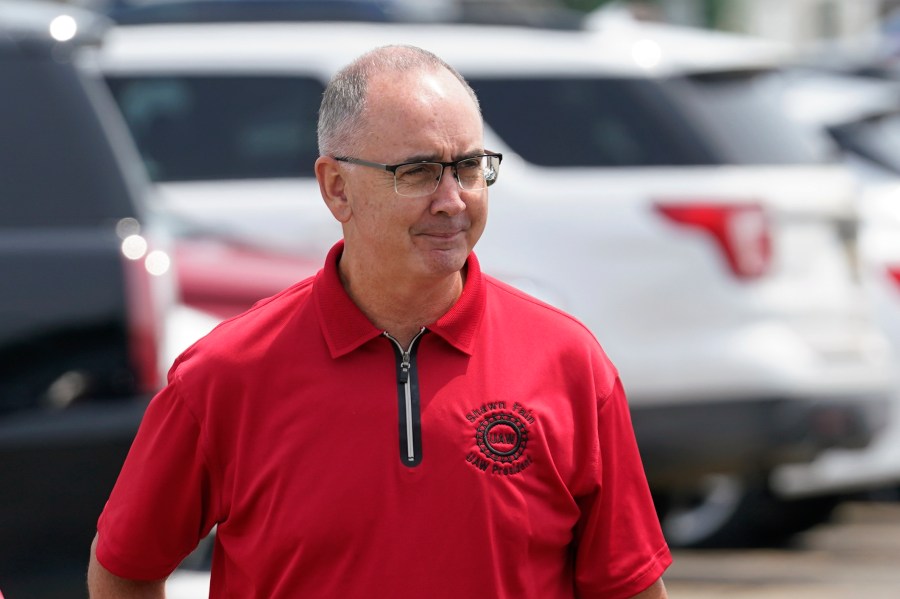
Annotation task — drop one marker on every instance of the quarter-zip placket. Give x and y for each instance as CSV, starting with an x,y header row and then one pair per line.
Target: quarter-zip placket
x,y
408,396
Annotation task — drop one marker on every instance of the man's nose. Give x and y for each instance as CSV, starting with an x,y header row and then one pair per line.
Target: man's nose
x,y
447,196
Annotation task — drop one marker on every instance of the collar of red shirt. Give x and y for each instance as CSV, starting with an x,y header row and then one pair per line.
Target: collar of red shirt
x,y
346,327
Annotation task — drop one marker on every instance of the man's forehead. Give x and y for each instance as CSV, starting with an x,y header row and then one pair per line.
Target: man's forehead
x,y
434,84
422,98
407,112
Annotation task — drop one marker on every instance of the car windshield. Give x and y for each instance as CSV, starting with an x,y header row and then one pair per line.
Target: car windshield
x,y
191,128
726,118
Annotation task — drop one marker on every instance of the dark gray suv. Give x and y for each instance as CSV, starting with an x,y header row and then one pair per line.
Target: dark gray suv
x,y
81,306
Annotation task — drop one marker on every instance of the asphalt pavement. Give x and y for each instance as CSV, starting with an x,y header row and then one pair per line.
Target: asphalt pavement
x,y
856,555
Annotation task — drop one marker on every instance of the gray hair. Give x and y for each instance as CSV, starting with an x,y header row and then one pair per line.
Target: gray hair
x,y
344,100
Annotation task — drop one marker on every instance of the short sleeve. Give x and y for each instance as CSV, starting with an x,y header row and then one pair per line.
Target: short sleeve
x,y
159,508
620,549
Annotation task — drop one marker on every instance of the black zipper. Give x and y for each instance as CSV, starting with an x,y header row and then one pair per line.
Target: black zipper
x,y
408,401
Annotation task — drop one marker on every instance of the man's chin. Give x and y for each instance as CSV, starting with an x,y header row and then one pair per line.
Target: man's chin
x,y
445,261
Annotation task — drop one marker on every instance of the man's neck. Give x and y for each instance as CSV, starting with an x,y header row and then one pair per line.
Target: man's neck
x,y
401,307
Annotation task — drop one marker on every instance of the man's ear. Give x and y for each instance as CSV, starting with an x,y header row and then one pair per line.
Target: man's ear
x,y
332,185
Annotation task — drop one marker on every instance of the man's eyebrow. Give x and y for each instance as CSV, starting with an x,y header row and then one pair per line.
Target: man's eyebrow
x,y
422,158
436,158
470,154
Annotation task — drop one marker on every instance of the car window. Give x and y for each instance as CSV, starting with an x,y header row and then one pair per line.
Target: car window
x,y
194,127
191,128
743,115
557,121
877,139
56,168
610,122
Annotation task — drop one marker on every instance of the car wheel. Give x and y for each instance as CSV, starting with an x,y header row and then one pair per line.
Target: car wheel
x,y
703,515
729,511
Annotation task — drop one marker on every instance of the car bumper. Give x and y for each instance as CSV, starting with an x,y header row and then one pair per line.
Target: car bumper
x,y
686,442
58,468
842,471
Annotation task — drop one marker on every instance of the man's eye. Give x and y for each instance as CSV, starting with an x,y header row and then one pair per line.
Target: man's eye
x,y
418,170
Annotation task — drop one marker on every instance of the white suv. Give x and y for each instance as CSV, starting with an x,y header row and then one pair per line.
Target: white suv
x,y
863,115
648,188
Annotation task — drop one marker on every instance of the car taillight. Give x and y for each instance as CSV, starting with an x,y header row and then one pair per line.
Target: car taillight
x,y
741,231
141,265
894,273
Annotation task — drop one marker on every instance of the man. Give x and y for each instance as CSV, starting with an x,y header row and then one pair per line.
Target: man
x,y
399,425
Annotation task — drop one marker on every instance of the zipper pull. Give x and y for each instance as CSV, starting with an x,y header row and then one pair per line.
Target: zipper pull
x,y
404,368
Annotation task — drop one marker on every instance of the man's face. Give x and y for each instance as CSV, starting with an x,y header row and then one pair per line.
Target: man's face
x,y
409,117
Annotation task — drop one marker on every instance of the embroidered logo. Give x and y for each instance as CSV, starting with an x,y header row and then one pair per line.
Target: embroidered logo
x,y
501,436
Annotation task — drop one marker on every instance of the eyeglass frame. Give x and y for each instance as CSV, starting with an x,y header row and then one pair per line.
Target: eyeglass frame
x,y
392,168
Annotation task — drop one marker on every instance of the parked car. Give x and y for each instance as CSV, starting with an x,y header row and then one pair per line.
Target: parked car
x,y
862,115
86,286
651,187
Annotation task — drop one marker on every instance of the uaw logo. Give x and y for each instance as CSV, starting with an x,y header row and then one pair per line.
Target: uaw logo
x,y
501,436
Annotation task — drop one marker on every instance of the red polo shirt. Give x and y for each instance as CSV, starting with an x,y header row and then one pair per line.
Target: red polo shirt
x,y
492,458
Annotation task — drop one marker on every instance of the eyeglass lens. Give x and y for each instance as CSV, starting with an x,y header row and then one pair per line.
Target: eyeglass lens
x,y
423,178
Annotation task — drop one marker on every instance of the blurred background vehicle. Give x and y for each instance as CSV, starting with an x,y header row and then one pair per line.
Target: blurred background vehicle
x,y
653,187
862,115
86,292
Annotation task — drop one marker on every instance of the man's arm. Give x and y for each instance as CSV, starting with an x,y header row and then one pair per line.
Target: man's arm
x,y
657,590
103,584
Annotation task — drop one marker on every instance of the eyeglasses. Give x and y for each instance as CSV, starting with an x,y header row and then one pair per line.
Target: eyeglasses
x,y
416,179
